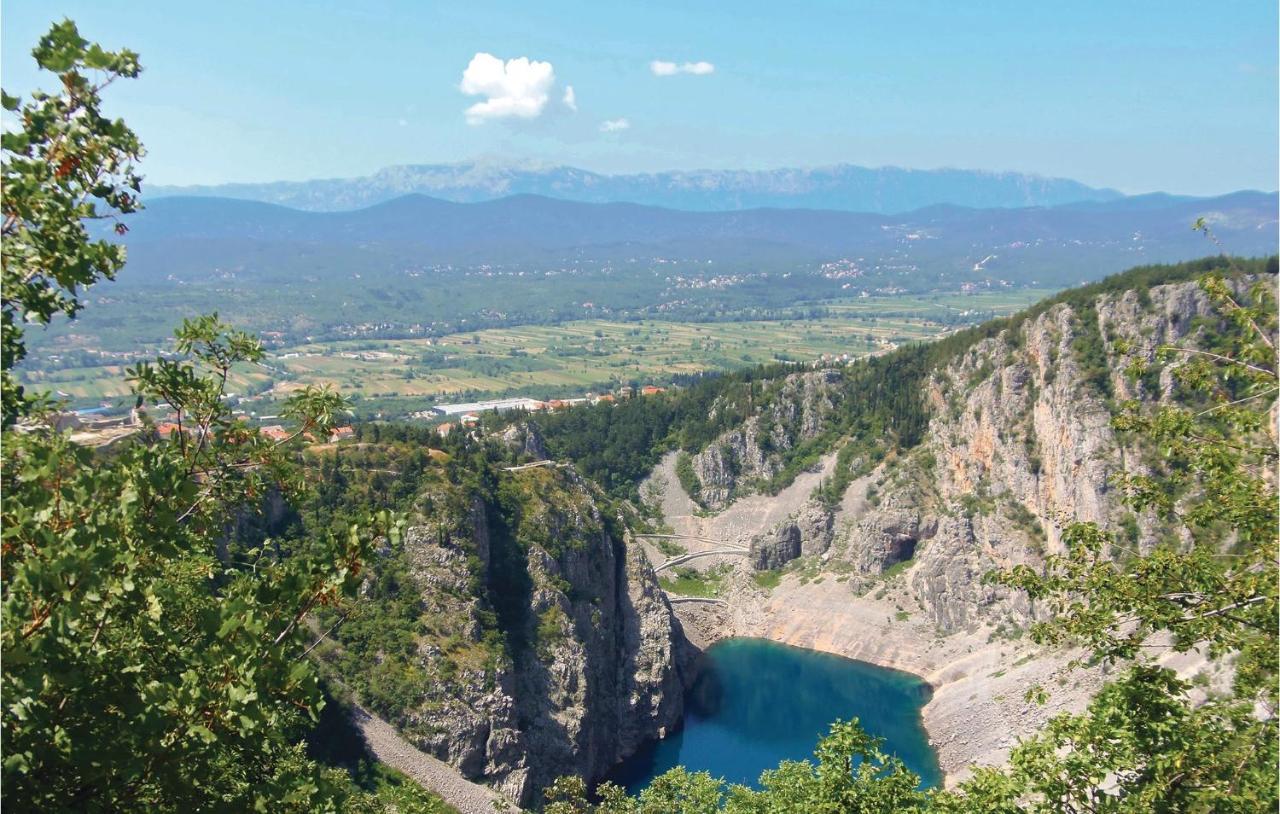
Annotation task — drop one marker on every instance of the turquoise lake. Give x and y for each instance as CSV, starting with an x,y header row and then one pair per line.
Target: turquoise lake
x,y
756,703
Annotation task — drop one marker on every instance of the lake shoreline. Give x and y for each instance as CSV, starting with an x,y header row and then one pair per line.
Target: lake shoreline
x,y
977,710
755,702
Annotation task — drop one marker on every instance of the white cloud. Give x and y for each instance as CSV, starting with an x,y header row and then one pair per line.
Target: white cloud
x,y
614,125
570,99
518,88
662,68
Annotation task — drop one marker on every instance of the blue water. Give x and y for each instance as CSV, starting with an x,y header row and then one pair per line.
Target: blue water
x,y
756,703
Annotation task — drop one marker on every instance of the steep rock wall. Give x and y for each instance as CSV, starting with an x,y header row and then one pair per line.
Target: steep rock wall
x,y
1020,444
550,649
794,412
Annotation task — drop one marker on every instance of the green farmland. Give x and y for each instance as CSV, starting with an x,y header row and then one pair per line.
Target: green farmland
x,y
544,361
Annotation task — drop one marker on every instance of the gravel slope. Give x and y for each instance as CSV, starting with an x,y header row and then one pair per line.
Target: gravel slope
x,y
435,775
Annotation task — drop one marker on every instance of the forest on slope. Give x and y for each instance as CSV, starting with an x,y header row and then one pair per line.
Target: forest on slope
x,y
881,401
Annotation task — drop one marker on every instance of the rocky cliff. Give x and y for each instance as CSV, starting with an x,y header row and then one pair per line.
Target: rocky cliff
x,y
537,642
792,412
1018,444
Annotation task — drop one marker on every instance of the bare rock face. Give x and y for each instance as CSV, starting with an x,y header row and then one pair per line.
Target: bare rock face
x,y
583,664
948,580
806,533
884,538
526,439
733,458
1021,443
794,411
776,548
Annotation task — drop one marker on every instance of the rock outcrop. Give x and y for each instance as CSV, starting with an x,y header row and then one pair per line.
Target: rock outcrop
x,y
791,411
808,532
548,646
524,438
1020,444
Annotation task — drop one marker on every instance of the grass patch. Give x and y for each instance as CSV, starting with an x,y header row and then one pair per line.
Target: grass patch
x,y
896,569
669,547
768,579
692,582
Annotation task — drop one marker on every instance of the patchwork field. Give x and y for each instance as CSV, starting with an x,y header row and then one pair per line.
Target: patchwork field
x,y
91,385
544,361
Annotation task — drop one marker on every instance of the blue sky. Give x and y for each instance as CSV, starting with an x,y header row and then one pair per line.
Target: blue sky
x,y
1136,95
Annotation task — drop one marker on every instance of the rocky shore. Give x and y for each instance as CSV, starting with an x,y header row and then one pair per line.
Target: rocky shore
x,y
979,680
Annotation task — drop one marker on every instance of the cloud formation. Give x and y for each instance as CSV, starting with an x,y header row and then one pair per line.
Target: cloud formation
x,y
663,68
614,125
570,99
518,88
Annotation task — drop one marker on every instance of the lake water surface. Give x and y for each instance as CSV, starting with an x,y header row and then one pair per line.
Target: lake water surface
x,y
757,702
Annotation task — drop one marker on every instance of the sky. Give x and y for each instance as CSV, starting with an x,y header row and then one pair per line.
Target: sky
x,y
1135,95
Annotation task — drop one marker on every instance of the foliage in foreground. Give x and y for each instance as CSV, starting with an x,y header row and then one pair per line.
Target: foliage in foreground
x,y
1148,742
148,664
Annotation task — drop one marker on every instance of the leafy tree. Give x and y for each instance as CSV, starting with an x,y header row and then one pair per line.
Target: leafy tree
x,y
144,666
65,162
147,662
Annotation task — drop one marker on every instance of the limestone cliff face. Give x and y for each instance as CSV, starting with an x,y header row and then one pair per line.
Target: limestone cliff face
x,y
1020,444
794,411
1025,446
550,647
807,532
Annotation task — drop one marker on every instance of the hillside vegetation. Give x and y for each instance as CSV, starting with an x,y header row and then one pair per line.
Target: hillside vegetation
x,y
877,403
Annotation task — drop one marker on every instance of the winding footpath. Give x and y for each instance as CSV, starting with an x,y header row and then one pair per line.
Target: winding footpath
x,y
432,774
715,552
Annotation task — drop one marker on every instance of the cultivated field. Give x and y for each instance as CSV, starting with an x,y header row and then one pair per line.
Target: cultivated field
x,y
567,359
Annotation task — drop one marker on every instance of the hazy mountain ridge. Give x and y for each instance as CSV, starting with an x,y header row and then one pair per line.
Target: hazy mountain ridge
x,y
419,264
447,230
844,187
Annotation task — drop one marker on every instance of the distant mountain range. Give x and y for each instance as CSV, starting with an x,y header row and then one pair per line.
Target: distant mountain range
x,y
845,187
418,265
533,229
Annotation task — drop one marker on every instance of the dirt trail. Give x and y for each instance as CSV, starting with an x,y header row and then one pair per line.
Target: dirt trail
x,y
432,774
